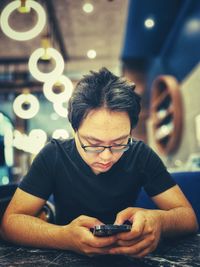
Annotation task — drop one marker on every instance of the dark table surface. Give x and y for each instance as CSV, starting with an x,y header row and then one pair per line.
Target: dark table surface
x,y
184,252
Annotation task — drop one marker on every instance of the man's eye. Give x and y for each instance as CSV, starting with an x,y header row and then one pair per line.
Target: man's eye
x,y
92,144
118,144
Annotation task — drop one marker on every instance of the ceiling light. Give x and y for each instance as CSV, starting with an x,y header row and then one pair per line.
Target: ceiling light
x,y
60,109
26,106
38,135
8,146
88,7
35,141
91,54
46,43
41,76
60,134
54,116
149,23
27,35
31,143
5,180
193,26
60,97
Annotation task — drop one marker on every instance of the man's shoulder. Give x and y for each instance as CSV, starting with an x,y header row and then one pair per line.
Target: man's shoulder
x,y
54,145
138,153
66,143
140,146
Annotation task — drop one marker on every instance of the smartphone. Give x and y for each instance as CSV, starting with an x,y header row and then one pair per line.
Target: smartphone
x,y
110,229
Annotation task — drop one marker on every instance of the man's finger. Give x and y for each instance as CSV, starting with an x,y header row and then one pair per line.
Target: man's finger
x,y
98,242
124,215
130,242
139,223
88,221
136,249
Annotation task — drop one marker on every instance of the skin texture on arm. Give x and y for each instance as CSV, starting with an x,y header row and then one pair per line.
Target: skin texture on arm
x,y
176,218
19,225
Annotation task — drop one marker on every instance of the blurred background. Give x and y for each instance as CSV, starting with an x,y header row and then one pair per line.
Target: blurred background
x,y
46,46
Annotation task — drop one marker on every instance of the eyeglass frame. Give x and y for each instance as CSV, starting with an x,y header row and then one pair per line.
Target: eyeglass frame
x,y
126,146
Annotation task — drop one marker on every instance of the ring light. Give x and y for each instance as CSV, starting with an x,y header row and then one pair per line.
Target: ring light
x,y
41,76
27,35
29,99
63,96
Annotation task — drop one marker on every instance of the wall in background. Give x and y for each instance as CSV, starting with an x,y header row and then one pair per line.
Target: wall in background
x,y
171,47
189,143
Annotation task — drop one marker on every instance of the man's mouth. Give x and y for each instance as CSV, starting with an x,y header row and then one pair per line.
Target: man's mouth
x,y
104,165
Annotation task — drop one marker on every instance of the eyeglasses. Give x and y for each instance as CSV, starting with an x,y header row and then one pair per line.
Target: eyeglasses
x,y
99,149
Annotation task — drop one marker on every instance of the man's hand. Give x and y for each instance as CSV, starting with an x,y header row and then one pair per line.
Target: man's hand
x,y
145,233
81,240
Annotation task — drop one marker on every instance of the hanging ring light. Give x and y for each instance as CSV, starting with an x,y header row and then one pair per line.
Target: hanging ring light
x,y
26,106
27,35
60,109
41,76
61,97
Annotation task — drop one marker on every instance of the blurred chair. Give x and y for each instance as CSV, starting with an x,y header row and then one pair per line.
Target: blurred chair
x,y
189,182
47,213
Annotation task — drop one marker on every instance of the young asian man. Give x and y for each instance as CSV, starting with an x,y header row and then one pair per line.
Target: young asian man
x,y
95,179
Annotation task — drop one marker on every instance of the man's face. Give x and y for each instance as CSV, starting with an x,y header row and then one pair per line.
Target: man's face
x,y
106,128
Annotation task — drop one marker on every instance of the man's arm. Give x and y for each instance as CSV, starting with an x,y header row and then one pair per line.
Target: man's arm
x,y
19,225
175,217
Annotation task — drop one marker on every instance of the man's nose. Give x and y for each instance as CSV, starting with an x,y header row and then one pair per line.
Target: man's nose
x,y
106,154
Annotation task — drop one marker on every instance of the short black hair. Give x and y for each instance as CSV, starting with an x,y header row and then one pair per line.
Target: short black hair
x,y
103,89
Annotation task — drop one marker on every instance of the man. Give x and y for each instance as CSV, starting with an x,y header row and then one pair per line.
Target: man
x,y
95,179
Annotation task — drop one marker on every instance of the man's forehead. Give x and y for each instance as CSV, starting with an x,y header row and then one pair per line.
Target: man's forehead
x,y
92,137
105,126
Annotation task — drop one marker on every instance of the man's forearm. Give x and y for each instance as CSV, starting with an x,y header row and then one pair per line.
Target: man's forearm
x,y
181,220
31,231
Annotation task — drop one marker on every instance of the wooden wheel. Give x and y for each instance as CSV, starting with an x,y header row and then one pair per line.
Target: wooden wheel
x,y
166,113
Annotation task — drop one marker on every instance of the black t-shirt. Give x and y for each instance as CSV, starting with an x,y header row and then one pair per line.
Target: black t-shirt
x,y
59,170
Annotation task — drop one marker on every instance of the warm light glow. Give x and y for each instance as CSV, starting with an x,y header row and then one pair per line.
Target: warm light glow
x,y
52,75
91,54
5,180
193,26
88,7
8,149
149,23
1,117
38,134
31,143
54,116
27,35
62,96
19,140
38,138
197,124
60,109
60,134
164,131
31,103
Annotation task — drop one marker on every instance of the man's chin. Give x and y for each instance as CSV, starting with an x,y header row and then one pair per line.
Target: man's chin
x,y
98,170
